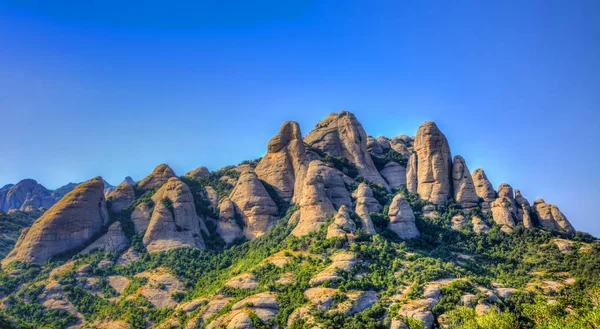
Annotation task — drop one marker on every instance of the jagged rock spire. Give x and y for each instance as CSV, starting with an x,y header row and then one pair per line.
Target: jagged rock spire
x,y
285,164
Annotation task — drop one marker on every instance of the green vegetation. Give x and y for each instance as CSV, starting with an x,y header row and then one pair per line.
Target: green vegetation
x,y
11,225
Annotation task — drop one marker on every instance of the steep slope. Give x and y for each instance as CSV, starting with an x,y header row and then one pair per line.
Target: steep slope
x,y
69,224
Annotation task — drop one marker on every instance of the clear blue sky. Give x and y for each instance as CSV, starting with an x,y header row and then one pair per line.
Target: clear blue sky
x,y
104,88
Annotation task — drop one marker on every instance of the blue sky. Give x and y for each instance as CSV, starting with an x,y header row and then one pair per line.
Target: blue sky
x,y
98,88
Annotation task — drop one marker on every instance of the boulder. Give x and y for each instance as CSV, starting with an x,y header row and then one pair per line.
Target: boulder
x,y
503,211
341,135
113,240
259,211
285,164
121,196
384,142
458,221
315,206
342,224
434,164
197,173
394,174
373,146
402,218
174,222
159,176
551,218
479,226
69,224
464,188
411,174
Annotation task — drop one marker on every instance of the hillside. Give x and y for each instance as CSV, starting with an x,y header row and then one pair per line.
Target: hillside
x,y
334,229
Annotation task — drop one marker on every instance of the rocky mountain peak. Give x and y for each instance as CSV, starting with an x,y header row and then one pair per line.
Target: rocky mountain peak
x,y
285,164
342,135
159,175
67,225
434,164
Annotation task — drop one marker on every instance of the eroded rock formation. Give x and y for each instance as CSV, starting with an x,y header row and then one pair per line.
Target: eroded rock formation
x,y
434,164
66,226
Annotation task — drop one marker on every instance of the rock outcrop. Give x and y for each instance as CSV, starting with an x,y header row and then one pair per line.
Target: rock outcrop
x,y
551,218
315,206
68,225
504,208
228,225
121,196
484,189
174,222
464,188
434,164
523,207
259,211
159,176
394,174
341,135
333,182
402,144
411,174
197,173
113,240
402,218
285,164
479,226
366,203
342,224
373,146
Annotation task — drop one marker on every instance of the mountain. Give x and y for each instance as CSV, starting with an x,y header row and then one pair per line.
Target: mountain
x,y
336,229
29,195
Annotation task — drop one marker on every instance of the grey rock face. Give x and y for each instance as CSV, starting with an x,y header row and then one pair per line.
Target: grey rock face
x,y
67,225
402,218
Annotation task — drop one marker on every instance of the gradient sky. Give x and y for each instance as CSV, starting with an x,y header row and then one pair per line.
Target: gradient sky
x,y
99,88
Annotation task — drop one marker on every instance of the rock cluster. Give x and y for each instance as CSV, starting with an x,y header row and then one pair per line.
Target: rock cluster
x,y
341,135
